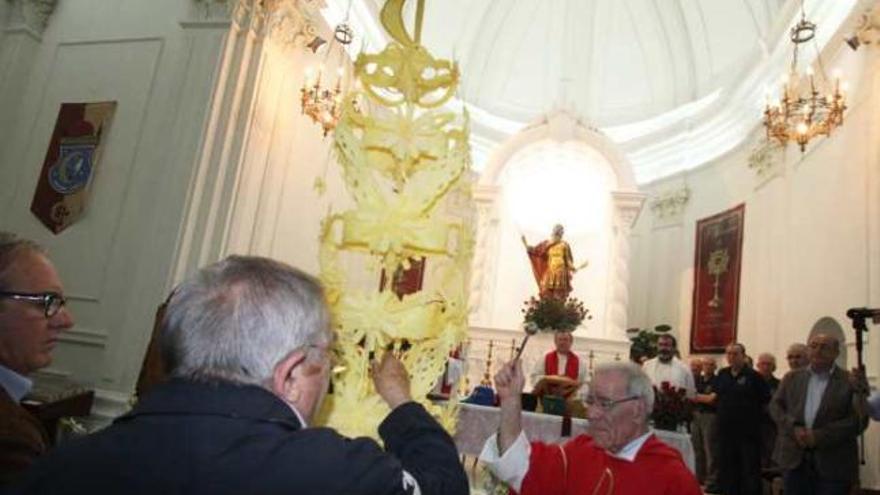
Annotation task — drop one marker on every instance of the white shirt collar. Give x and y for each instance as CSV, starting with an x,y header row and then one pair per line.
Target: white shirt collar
x,y
299,416
631,450
17,386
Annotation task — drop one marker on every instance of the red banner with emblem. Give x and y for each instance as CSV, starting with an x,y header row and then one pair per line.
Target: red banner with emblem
x,y
717,264
70,163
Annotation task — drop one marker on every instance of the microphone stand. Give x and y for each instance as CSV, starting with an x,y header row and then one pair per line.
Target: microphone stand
x,y
857,315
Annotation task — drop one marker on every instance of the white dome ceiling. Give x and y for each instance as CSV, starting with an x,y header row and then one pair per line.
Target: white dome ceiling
x,y
611,62
675,83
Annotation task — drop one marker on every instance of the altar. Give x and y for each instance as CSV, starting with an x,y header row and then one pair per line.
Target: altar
x,y
477,423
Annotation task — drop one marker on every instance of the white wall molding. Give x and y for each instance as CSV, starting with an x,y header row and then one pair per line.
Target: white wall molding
x,y
560,126
108,405
86,337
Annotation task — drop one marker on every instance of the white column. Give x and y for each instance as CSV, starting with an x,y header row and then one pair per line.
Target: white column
x,y
483,270
627,206
211,196
221,210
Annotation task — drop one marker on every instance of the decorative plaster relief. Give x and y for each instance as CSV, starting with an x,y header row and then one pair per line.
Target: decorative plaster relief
x,y
34,14
285,21
867,31
765,158
671,203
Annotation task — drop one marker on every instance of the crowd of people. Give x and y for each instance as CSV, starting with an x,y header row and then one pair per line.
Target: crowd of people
x,y
748,428
246,342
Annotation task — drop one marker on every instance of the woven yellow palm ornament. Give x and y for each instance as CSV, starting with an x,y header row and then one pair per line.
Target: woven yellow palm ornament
x,y
405,164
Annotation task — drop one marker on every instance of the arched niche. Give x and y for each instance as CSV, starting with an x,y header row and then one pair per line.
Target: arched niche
x,y
829,326
502,278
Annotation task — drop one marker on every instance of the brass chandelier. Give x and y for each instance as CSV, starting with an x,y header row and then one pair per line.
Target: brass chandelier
x,y
324,104
805,111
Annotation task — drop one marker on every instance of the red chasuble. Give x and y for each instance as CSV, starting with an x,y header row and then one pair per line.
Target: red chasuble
x,y
572,365
580,467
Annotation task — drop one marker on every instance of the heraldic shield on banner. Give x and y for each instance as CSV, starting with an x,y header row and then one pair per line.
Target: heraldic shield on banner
x,y
70,163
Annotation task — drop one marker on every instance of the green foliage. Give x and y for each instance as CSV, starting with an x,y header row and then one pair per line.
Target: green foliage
x,y
644,342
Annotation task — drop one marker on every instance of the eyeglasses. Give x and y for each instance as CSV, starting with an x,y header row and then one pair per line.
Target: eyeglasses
x,y
52,301
607,404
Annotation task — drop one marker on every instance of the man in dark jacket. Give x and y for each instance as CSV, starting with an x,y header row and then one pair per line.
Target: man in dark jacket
x,y
247,344
815,410
742,395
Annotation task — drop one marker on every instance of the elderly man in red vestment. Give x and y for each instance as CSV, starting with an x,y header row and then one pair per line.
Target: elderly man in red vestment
x,y
552,264
619,455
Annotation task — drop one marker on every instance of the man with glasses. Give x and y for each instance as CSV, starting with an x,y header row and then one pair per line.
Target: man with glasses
x,y
619,454
246,342
818,421
32,316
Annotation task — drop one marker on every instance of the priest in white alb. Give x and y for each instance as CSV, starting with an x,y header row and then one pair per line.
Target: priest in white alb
x,y
668,368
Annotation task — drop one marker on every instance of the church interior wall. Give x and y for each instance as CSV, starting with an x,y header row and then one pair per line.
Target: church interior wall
x,y
157,61
812,225
810,238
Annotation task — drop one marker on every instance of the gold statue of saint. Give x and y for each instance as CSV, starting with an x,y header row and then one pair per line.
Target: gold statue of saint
x,y
552,264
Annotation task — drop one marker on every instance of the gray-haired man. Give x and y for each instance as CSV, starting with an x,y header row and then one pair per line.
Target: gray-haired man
x,y
32,316
247,343
619,455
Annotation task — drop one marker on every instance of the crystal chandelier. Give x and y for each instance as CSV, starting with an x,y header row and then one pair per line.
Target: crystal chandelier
x,y
804,112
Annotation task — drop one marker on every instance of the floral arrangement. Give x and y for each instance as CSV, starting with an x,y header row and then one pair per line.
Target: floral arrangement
x,y
671,407
552,314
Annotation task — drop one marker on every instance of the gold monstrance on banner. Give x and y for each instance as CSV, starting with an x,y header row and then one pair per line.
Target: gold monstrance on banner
x,y
405,162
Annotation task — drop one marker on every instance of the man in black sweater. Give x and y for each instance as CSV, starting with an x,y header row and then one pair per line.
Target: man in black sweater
x,y
741,397
247,343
